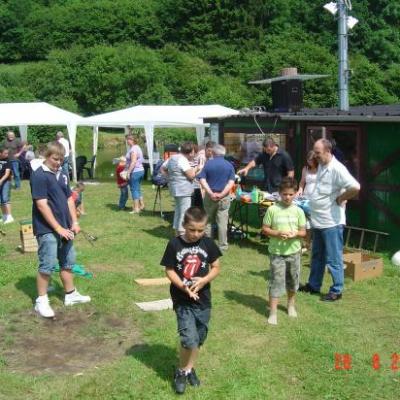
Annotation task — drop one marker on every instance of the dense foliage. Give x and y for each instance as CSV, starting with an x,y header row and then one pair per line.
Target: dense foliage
x,y
96,56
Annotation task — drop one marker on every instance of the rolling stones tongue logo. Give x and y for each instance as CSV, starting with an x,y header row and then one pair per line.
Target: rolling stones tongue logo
x,y
191,265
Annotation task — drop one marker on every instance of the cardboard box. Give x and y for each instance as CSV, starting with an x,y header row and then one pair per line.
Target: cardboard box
x,y
359,266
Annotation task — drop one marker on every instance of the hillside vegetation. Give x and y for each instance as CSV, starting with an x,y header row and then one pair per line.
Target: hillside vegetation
x,y
96,56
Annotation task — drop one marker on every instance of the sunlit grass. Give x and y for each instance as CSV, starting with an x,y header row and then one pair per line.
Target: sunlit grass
x,y
243,357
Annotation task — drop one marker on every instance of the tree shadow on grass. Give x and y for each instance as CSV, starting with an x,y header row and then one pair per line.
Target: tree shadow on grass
x,y
162,359
161,231
251,243
257,303
28,286
266,274
114,207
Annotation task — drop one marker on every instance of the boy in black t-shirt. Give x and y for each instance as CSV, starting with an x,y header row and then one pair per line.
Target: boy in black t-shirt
x,y
191,262
5,186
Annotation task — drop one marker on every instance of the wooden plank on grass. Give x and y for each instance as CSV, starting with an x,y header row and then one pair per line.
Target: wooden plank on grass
x,y
157,305
152,281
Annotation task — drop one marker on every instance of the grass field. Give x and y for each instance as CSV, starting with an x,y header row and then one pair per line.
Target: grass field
x,y
109,349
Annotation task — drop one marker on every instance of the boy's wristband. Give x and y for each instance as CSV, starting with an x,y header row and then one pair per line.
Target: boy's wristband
x,y
75,223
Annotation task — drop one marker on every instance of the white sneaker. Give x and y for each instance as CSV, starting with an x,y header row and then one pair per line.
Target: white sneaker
x,y
42,307
75,298
273,319
292,312
8,220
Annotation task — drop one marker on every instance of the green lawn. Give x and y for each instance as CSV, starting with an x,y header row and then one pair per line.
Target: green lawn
x,y
109,349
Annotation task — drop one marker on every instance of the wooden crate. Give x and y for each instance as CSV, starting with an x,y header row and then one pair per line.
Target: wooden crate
x,y
361,266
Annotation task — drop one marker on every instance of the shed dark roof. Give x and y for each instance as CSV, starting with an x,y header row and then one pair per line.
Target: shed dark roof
x,y
377,113
378,110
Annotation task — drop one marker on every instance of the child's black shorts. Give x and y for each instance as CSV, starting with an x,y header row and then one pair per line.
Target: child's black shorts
x,y
192,325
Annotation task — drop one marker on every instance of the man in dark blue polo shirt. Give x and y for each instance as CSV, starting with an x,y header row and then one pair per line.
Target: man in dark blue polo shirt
x,y
276,162
54,225
217,179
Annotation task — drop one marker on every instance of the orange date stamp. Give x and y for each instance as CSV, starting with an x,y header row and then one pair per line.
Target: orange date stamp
x,y
344,362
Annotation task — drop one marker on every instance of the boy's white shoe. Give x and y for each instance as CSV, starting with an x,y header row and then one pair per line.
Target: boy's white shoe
x,y
273,319
75,298
42,307
292,312
9,219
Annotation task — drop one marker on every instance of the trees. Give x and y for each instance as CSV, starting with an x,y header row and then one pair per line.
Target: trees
x,y
102,55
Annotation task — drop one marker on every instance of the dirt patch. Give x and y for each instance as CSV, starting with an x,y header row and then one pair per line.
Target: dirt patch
x,y
74,342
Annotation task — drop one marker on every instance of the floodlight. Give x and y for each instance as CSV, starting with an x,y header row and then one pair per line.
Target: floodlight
x,y
351,22
331,7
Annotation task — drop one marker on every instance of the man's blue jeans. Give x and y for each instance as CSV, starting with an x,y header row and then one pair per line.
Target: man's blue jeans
x,y
15,172
65,167
327,250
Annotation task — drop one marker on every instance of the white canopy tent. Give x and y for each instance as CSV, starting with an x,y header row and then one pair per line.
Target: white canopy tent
x,y
150,117
26,114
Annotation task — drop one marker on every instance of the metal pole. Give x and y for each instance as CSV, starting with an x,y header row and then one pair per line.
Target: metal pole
x,y
343,58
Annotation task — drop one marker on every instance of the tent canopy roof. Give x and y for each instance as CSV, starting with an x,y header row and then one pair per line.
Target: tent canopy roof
x,y
17,114
158,116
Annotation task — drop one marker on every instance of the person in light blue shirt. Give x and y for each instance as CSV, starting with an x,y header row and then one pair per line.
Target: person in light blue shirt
x,y
217,179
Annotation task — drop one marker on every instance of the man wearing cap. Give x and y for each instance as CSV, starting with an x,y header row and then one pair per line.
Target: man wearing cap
x,y
276,162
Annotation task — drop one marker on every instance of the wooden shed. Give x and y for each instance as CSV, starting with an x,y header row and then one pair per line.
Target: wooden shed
x,y
367,142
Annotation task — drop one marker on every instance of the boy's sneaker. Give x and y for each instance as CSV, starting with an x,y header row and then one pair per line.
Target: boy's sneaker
x,y
42,307
192,378
273,319
75,298
292,312
8,220
180,380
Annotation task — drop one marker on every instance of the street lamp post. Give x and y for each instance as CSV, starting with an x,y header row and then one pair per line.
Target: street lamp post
x,y
344,24
343,57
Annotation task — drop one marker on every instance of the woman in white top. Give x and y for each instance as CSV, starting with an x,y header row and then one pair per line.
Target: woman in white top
x,y
180,182
307,186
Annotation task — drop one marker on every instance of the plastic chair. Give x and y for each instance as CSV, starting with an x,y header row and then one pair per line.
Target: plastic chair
x,y
80,166
89,168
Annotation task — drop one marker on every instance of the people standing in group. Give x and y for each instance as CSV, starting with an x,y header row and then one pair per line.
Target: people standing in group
x,y
217,179
122,182
135,172
54,224
15,148
39,157
191,262
64,142
276,163
28,157
306,187
198,162
77,196
208,149
5,186
335,185
180,182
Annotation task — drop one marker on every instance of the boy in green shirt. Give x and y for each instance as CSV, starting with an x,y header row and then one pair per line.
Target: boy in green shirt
x,y
285,224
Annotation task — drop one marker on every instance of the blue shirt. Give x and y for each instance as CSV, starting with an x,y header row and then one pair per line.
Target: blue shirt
x,y
46,184
217,172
